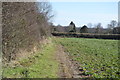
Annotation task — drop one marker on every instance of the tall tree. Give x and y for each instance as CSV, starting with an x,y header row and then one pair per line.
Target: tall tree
x,y
109,28
45,8
98,28
113,24
89,25
118,24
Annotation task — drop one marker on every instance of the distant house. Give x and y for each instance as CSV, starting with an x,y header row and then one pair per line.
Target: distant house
x,y
72,27
84,29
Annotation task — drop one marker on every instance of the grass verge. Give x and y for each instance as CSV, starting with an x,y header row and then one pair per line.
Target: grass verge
x,y
41,65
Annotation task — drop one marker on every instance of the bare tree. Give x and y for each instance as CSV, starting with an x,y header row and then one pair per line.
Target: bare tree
x,y
118,24
116,30
113,24
45,8
45,11
89,25
98,28
109,28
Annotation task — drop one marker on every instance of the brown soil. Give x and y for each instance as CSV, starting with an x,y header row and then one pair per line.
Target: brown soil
x,y
68,68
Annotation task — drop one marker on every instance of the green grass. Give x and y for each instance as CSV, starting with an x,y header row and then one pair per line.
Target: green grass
x,y
41,65
98,57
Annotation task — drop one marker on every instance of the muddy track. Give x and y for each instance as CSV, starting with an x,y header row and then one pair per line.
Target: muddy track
x,y
68,68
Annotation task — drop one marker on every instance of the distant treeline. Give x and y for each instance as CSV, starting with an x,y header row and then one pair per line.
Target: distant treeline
x,y
98,29
87,35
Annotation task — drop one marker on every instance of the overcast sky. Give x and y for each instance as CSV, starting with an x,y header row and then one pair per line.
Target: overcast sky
x,y
82,13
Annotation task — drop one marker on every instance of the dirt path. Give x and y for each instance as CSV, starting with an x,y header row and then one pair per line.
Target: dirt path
x,y
68,68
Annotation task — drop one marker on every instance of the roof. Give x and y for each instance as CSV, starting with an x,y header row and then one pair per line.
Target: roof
x,y
71,23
